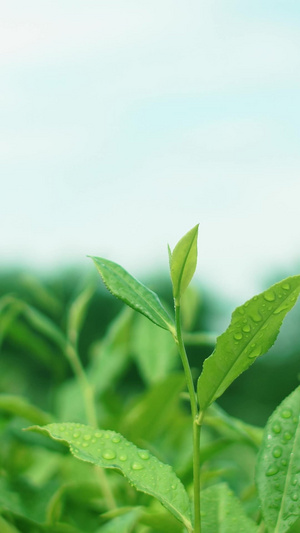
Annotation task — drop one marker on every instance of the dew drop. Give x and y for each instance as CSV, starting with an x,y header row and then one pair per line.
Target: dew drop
x,y
269,296
238,336
295,497
116,439
295,481
256,317
108,454
283,307
98,434
255,351
277,452
276,428
286,286
93,441
283,462
123,457
137,466
76,435
107,436
144,455
87,437
272,470
85,444
287,436
286,413
246,328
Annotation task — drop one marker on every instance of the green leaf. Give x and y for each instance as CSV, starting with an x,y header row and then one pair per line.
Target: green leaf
x,y
7,527
183,261
77,312
278,466
125,287
228,425
145,472
152,413
222,512
253,330
44,325
122,524
153,349
21,407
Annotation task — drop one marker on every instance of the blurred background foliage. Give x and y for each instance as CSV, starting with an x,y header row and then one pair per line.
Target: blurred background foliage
x,y
139,389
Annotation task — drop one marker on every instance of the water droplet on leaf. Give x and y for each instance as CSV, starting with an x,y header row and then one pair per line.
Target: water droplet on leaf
x,y
137,466
246,328
276,428
272,470
238,336
269,296
286,286
76,435
144,455
287,436
286,413
255,351
108,454
123,457
256,317
277,452
116,439
87,437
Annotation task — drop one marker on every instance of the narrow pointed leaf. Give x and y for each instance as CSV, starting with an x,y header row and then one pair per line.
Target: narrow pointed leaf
x,y
125,287
19,406
253,330
278,466
222,512
145,472
78,311
183,262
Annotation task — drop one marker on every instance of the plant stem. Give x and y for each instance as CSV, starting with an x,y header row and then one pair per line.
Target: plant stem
x,y
185,362
196,475
86,388
201,338
197,419
89,400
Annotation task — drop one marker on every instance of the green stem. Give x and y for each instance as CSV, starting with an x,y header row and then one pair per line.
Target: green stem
x,y
196,474
89,400
185,362
87,390
197,419
199,338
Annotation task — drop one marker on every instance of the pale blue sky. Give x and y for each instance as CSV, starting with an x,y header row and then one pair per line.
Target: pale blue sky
x,y
123,124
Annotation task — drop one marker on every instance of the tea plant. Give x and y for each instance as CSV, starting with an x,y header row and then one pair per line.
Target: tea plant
x,y
210,506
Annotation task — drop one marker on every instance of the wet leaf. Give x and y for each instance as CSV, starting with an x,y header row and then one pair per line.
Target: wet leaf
x,y
278,466
125,287
145,472
183,262
222,512
253,330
